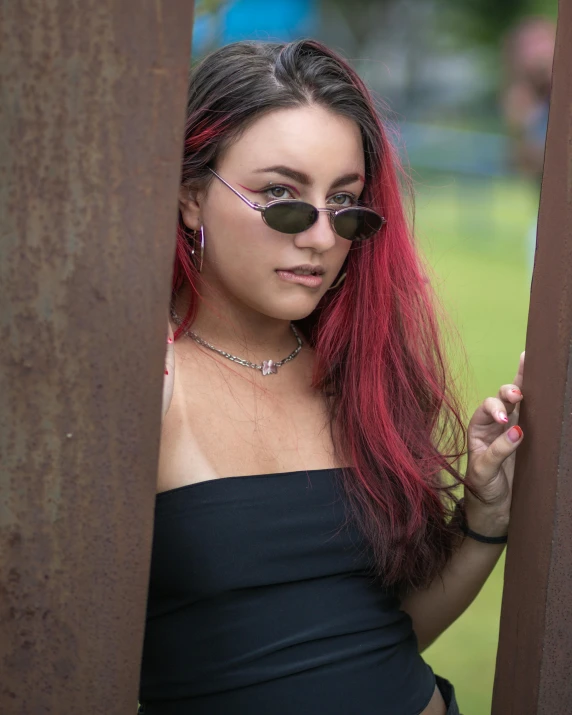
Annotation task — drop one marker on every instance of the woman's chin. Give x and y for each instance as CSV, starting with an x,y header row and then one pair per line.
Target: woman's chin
x,y
293,308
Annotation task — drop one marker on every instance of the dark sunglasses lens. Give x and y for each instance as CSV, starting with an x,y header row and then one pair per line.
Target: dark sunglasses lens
x,y
357,224
290,216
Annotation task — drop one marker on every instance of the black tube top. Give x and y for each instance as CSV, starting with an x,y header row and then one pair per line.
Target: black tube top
x,y
261,602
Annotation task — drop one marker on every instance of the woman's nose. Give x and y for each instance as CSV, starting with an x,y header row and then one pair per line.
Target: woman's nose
x,y
320,237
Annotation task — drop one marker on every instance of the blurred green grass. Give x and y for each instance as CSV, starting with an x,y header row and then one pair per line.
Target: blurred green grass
x,y
475,235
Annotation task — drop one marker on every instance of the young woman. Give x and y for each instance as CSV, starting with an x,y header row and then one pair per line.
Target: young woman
x,y
304,552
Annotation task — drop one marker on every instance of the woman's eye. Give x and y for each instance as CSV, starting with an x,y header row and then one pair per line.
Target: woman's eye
x,y
342,200
277,192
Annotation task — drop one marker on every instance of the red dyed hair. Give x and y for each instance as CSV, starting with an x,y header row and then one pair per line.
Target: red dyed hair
x,y
377,340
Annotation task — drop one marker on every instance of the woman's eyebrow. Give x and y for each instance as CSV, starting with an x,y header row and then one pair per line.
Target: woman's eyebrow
x,y
347,179
298,176
305,180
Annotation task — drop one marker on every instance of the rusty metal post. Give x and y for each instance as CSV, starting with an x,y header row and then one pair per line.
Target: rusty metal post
x,y
534,660
92,100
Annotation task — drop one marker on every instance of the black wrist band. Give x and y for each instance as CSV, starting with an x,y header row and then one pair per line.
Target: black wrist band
x,y
462,522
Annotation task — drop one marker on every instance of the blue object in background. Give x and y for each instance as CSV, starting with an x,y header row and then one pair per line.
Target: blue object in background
x,y
280,20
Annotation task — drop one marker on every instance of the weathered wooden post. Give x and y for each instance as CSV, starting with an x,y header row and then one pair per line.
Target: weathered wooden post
x,y
534,661
92,98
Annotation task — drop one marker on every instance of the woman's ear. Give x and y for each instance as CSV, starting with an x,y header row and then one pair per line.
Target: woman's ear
x,y
190,208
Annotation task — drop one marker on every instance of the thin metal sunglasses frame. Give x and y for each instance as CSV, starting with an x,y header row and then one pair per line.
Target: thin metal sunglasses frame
x,y
333,213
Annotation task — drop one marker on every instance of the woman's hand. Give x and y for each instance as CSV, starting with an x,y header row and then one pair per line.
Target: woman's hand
x,y
493,438
169,379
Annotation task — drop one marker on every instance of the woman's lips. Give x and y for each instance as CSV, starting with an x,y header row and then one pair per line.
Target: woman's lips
x,y
310,281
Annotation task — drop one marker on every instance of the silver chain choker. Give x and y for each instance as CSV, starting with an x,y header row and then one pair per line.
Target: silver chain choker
x,y
268,367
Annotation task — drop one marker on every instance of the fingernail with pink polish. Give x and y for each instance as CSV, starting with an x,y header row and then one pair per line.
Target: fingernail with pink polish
x,y
518,392
166,372
514,433
503,417
169,339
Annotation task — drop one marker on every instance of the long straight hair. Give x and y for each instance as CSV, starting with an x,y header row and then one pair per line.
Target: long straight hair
x,y
377,339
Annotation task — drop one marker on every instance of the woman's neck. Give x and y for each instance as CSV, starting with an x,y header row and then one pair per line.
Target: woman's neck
x,y
239,330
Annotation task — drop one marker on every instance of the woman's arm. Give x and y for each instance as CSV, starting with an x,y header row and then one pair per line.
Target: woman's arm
x,y
490,471
434,609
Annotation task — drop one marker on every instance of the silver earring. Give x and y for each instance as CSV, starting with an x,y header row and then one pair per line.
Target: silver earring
x,y
202,249
339,282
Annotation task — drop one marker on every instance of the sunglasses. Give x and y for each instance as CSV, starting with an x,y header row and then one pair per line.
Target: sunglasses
x,y
291,216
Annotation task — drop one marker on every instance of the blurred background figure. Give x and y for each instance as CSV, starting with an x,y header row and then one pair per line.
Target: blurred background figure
x,y
528,55
463,88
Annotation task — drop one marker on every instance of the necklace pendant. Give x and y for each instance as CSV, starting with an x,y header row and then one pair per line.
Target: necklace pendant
x,y
269,367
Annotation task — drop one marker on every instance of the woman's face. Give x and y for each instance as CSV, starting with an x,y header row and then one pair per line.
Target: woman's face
x,y
306,153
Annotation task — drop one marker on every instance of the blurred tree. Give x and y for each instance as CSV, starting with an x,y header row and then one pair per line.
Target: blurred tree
x,y
205,7
362,17
485,22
